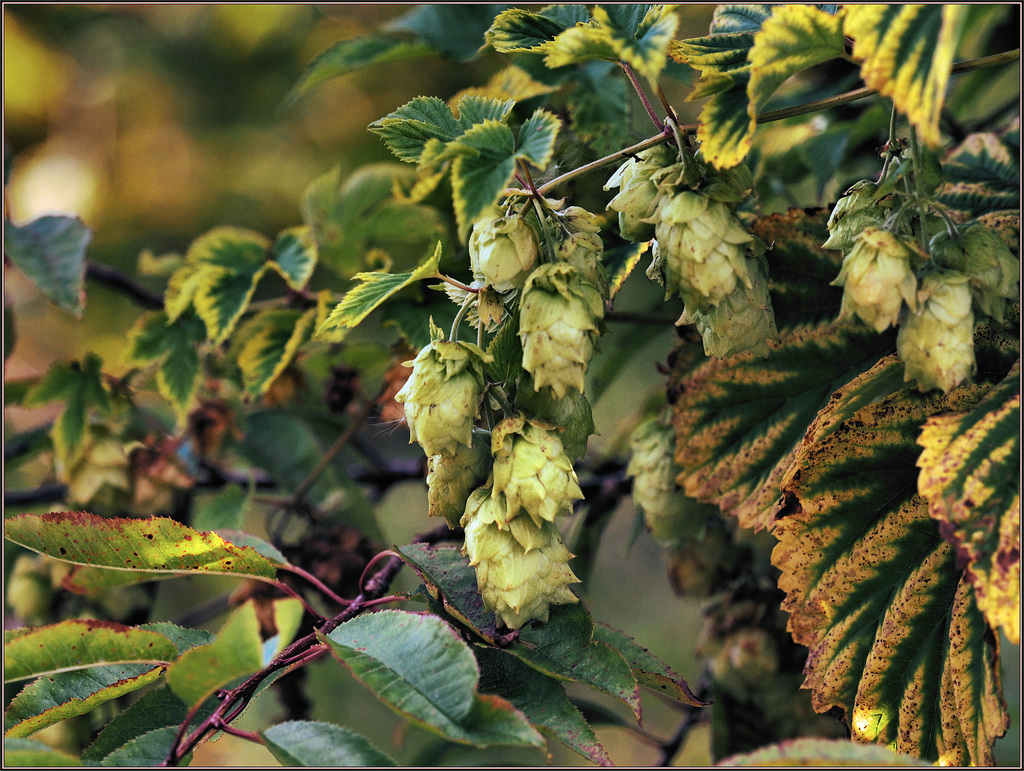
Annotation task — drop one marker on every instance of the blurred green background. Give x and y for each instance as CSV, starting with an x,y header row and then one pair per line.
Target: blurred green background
x,y
154,123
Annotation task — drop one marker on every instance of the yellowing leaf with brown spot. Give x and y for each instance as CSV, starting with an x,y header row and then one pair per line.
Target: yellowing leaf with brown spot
x,y
970,474
906,53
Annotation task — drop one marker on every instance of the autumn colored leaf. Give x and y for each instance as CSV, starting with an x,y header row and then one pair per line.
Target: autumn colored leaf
x,y
895,635
970,474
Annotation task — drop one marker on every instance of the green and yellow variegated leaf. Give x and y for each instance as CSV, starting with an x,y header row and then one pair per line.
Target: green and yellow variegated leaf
x,y
982,176
222,298
873,590
739,17
81,644
375,288
175,348
642,45
294,255
516,30
268,344
970,474
726,131
715,53
406,130
511,83
536,140
80,386
582,43
620,262
820,752
906,52
482,171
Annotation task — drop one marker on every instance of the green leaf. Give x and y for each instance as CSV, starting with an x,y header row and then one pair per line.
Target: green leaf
x,y
354,218
906,53
50,251
565,648
482,174
541,699
375,289
726,130
714,54
448,578
649,670
309,743
474,109
970,475
599,110
28,752
419,667
141,722
536,140
294,255
175,348
620,262
639,34
54,698
236,652
582,43
349,55
516,30
982,175
219,277
406,130
739,17
157,544
225,510
148,749
821,752
454,30
80,386
507,353
895,636
79,644
266,344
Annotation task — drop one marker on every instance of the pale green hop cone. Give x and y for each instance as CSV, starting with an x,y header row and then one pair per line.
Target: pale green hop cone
x,y
532,470
442,396
653,468
517,584
451,478
877,277
502,250
638,193
936,342
980,254
559,323
581,246
854,212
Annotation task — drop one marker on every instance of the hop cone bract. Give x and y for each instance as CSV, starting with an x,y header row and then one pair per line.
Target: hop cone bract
x,y
877,278
638,193
451,478
936,342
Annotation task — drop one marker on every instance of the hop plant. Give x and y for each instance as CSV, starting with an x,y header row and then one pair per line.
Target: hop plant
x,y
702,249
559,320
451,478
532,470
581,246
877,278
979,253
854,212
502,250
442,396
654,470
744,321
936,342
570,415
638,193
522,570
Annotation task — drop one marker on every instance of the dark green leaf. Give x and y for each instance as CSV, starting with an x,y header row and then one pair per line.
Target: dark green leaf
x,y
739,17
175,348
717,53
640,34
599,108
982,175
564,648
480,176
620,262
225,510
419,667
309,743
148,749
507,352
406,130
536,140
541,699
727,128
456,30
348,55
51,252
475,109
295,254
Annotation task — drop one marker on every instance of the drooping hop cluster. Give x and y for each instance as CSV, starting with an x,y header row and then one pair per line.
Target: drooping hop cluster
x,y
522,568
701,250
654,470
502,251
442,396
933,298
559,323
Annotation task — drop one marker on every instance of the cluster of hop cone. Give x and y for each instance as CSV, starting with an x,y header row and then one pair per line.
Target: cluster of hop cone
x,y
539,269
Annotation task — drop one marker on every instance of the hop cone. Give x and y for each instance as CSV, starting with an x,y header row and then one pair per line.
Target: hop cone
x,y
638,193
702,249
936,343
451,478
532,470
518,583
558,326
743,321
581,246
442,396
980,254
502,250
877,278
854,212
653,468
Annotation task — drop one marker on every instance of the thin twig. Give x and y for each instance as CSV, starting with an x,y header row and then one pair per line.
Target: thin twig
x,y
643,97
115,279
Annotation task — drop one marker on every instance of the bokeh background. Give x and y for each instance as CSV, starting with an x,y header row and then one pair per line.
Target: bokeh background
x,y
154,123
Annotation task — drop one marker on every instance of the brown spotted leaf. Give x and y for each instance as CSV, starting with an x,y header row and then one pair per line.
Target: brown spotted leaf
x,y
895,635
970,474
157,545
